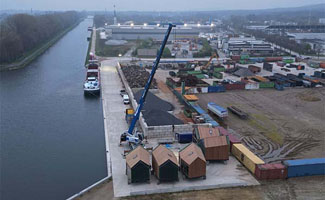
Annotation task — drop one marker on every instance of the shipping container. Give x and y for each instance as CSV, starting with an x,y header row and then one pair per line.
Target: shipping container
x,y
235,57
235,86
305,167
246,157
271,171
216,88
192,162
215,148
273,59
164,164
266,85
184,137
232,138
218,75
250,84
138,165
219,69
322,65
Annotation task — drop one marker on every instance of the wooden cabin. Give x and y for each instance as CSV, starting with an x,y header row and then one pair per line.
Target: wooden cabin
x,y
138,165
192,162
164,164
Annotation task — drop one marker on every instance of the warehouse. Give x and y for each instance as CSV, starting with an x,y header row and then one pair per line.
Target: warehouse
x,y
192,162
215,148
164,164
235,46
127,32
245,156
138,165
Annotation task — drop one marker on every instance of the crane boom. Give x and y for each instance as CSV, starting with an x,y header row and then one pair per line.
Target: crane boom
x,y
136,115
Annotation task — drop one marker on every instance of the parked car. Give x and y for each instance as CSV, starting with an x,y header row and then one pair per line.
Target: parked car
x,y
122,93
126,99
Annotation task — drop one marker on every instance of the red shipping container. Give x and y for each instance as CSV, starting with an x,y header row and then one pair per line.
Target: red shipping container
x,y
273,59
271,171
235,86
232,139
322,65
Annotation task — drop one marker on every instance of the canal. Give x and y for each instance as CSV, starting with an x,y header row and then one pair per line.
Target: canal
x,y
52,141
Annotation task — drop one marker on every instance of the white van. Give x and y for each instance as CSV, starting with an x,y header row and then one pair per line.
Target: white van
x,y
126,99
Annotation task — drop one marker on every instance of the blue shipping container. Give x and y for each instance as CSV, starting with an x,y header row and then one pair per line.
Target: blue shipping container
x,y
218,88
184,137
305,167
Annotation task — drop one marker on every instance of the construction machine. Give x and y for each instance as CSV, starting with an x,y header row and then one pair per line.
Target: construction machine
x,y
135,139
214,55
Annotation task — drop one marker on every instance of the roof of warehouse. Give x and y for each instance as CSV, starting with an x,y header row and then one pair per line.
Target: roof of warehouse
x,y
249,154
162,154
206,132
136,155
215,141
305,161
190,153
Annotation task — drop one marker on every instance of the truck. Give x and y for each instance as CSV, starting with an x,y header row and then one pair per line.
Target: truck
x,y
219,111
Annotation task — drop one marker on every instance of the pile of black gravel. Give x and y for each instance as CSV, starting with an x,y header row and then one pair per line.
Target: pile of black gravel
x,y
153,102
160,118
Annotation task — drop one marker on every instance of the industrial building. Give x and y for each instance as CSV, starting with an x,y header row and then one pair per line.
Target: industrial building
x,y
134,32
248,45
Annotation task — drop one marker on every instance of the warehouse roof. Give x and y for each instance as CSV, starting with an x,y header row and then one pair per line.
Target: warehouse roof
x,y
163,154
206,132
249,154
136,155
215,141
190,153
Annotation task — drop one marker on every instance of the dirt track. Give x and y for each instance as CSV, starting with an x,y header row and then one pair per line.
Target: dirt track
x,y
282,124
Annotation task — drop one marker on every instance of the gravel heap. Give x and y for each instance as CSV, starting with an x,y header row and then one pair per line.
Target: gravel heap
x,y
159,118
153,102
137,77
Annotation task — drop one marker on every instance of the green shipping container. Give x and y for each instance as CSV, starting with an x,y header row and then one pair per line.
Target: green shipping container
x,y
266,84
194,72
288,61
200,76
219,69
243,57
218,75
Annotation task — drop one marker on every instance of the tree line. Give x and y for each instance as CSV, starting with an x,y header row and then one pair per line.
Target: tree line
x,y
21,33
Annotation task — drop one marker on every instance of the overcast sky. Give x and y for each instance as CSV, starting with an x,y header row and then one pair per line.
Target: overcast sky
x,y
152,5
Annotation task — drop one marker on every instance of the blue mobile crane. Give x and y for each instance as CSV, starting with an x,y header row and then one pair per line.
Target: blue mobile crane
x,y
128,135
